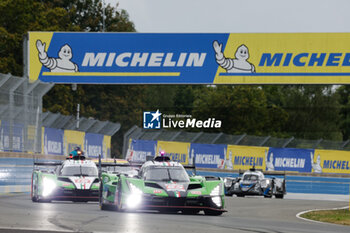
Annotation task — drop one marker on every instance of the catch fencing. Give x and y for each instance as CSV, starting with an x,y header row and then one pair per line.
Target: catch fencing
x,y
21,113
24,127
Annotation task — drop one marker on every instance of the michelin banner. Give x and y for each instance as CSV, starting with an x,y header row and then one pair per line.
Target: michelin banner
x,y
17,138
52,142
199,58
141,150
289,159
106,151
177,151
208,156
93,145
245,157
330,161
72,139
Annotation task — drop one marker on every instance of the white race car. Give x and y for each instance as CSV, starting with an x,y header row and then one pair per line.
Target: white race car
x,y
73,179
253,182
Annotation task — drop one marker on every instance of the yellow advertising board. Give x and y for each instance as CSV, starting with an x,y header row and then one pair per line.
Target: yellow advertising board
x,y
331,161
177,151
245,157
106,146
42,140
72,139
281,58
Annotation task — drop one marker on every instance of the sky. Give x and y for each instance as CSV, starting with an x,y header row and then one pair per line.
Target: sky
x,y
229,16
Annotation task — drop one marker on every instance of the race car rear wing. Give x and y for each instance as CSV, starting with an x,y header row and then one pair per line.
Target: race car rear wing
x,y
269,173
114,163
275,173
46,166
47,163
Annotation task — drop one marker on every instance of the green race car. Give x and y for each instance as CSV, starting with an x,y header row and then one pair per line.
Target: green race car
x,y
162,185
72,180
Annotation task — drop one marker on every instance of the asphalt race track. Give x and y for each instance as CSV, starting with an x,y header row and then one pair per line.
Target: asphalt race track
x,y
249,214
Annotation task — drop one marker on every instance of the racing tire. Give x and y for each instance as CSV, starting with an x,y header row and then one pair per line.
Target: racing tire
x,y
267,196
33,191
279,196
212,212
240,195
103,207
190,212
108,207
34,199
100,193
119,207
34,196
44,200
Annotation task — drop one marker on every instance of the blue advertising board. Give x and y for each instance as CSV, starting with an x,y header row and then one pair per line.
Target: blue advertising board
x,y
93,145
207,155
141,150
125,58
17,137
289,159
53,141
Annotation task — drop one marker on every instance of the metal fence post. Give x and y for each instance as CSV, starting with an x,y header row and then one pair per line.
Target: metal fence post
x,y
217,137
240,139
287,142
265,140
12,109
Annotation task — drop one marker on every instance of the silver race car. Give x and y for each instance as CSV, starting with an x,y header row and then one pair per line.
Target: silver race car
x,y
253,182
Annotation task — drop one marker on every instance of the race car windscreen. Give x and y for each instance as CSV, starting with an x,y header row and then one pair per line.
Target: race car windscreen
x,y
251,177
79,171
176,174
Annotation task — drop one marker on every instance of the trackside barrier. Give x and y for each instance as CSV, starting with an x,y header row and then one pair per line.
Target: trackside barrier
x,y
302,184
234,157
16,170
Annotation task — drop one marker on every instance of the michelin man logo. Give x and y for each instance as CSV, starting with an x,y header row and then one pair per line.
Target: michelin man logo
x,y
239,64
269,162
61,64
316,166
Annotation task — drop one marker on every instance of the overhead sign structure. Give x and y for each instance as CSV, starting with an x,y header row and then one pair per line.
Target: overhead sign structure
x,y
179,58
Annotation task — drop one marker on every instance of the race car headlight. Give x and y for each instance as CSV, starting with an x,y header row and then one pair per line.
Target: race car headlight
x,y
227,182
265,183
135,197
48,186
215,196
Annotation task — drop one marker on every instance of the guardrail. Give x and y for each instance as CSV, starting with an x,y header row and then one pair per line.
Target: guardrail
x,y
302,183
16,170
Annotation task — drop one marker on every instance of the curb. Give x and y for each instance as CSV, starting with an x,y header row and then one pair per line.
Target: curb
x,y
315,221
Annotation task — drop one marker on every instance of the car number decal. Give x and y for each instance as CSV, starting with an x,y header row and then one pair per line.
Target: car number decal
x,y
174,187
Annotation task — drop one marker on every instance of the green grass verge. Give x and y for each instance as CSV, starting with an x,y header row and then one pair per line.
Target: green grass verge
x,y
331,216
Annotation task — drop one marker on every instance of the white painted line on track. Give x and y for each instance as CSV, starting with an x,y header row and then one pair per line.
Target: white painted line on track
x,y
315,221
33,229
